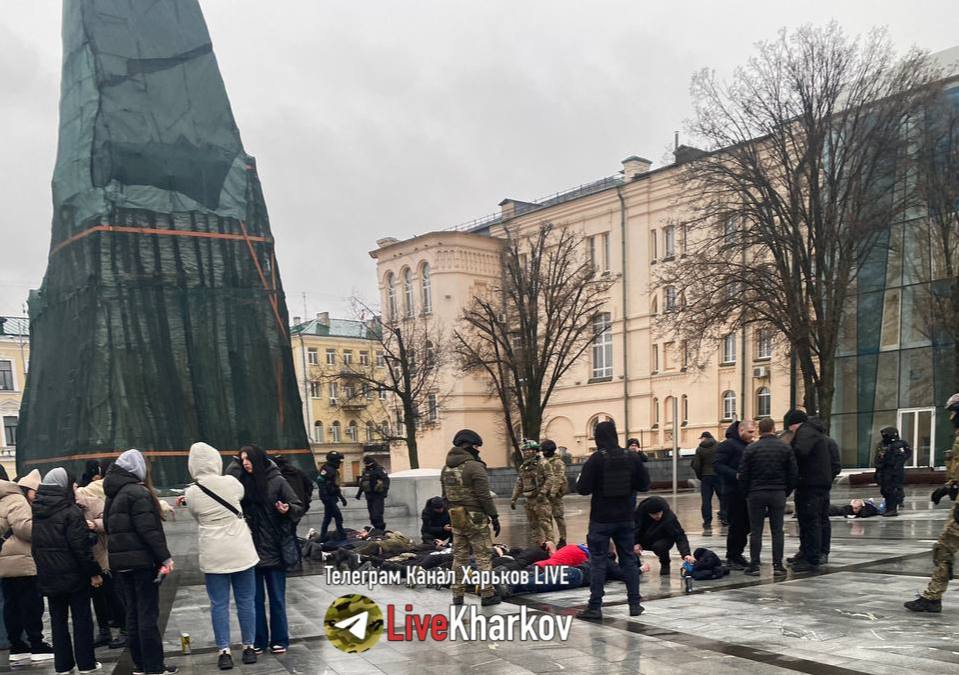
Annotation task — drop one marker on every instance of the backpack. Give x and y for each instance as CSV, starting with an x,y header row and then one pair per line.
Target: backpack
x,y
617,473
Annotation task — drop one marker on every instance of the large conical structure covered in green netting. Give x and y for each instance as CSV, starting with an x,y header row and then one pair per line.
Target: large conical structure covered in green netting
x,y
161,320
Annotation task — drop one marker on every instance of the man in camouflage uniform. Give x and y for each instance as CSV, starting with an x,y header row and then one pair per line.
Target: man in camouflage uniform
x,y
466,488
556,487
944,550
374,483
531,483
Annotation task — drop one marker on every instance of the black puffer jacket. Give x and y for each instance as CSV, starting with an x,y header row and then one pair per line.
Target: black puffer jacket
x,y
729,454
433,522
270,528
667,527
62,547
835,458
768,464
131,518
813,458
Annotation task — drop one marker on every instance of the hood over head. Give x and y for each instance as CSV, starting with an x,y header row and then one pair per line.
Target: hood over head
x,y
204,460
732,431
31,480
58,477
708,442
605,435
459,455
134,462
816,423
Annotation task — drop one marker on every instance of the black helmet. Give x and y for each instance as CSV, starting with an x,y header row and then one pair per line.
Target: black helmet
x,y
369,460
467,437
548,447
334,457
889,434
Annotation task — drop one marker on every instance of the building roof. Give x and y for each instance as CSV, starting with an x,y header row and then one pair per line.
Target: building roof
x,y
16,326
345,328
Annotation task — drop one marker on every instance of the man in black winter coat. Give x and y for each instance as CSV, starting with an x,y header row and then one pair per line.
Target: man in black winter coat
x,y
436,528
892,455
817,468
613,476
374,485
767,474
729,454
658,530
298,480
328,485
66,570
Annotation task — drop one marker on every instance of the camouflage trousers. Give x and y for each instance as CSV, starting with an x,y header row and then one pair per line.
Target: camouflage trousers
x,y
473,540
944,557
539,513
558,514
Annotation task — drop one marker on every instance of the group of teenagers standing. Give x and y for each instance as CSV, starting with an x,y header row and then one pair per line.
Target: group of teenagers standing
x,y
72,544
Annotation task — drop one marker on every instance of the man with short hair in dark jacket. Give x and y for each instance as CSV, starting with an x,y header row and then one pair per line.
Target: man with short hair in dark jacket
x,y
816,466
702,465
436,527
137,548
612,475
728,456
658,530
767,474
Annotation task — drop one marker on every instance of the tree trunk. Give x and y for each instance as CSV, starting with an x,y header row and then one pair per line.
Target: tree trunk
x,y
409,418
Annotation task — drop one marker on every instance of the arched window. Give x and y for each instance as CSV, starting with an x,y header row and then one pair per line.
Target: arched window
x,y
318,432
370,432
351,432
655,413
729,405
408,293
427,288
335,432
390,297
764,402
596,420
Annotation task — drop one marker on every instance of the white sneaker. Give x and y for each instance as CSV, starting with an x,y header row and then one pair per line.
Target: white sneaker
x,y
95,668
65,672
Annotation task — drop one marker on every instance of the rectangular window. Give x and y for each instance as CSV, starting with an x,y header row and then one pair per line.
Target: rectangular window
x,y
380,360
670,297
764,343
599,258
331,357
364,358
347,357
602,346
604,242
382,394
669,355
654,362
682,242
312,357
729,349
333,393
669,241
315,390
889,337
6,375
432,409
652,246
10,431
335,432
685,350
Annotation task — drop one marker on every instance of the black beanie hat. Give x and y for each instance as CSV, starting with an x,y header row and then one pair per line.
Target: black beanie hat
x,y
795,416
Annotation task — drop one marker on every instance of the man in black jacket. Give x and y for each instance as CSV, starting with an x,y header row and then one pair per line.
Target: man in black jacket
x,y
658,530
436,528
703,468
374,484
816,466
728,456
298,480
612,475
892,455
767,474
328,485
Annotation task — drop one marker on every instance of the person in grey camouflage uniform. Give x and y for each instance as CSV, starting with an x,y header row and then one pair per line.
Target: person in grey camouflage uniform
x,y
466,489
556,487
531,484
944,551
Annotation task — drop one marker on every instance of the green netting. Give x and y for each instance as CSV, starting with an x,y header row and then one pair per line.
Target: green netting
x,y
161,320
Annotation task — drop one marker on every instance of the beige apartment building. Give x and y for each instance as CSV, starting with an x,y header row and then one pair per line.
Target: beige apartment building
x,y
339,413
14,363
632,374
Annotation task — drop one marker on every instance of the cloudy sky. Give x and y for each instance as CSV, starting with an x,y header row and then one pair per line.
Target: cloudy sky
x,y
383,118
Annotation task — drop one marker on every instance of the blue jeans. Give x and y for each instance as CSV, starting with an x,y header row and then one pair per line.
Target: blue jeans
x,y
598,539
707,486
244,589
277,632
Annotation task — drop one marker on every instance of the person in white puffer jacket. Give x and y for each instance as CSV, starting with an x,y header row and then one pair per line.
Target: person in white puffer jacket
x,y
227,554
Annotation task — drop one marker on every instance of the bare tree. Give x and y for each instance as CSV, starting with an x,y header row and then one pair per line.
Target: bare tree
x,y
527,332
401,381
797,184
936,136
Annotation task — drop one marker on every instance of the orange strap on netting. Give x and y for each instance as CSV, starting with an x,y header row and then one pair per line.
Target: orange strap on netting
x,y
158,232
151,453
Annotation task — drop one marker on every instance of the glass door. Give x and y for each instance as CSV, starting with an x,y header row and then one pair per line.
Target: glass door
x,y
917,427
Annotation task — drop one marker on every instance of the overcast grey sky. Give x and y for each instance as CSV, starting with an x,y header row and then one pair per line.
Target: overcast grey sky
x,y
372,119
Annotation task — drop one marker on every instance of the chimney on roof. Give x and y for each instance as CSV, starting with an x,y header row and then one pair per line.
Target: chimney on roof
x,y
323,318
634,166
296,321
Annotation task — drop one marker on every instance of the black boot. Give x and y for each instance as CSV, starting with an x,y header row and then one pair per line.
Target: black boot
x,y
636,610
490,600
457,600
591,614
891,512
664,569
922,604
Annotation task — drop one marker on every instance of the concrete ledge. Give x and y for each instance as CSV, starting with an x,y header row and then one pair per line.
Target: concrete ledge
x,y
412,488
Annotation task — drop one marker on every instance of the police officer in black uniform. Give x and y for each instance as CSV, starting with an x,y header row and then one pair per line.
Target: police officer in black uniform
x,y
892,455
328,482
374,483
